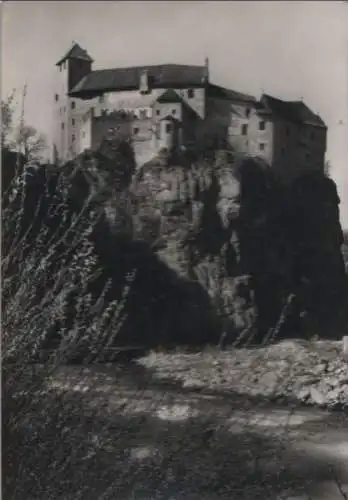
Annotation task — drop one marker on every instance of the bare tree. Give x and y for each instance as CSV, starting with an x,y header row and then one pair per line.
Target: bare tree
x,y
30,143
7,119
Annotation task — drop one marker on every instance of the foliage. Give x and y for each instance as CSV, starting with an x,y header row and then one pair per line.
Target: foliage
x,y
30,143
22,138
327,168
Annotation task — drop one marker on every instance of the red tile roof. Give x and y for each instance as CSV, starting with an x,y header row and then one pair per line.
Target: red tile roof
x,y
292,111
76,52
160,76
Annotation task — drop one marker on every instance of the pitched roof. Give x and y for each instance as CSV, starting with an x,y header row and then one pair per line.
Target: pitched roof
x,y
292,111
218,92
169,96
160,76
76,52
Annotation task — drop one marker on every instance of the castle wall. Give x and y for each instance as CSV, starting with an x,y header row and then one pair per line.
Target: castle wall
x,y
132,100
298,149
260,138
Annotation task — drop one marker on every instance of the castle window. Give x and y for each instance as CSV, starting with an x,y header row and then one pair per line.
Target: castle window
x,y
56,97
173,111
158,112
168,128
73,122
135,130
62,126
244,129
73,137
73,104
190,93
283,151
247,112
262,125
262,146
83,134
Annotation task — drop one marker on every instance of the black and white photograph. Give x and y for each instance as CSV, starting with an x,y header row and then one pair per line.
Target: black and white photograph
x,y
174,250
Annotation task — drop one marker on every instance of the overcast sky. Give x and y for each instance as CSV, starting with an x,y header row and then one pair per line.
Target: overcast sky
x,y
288,49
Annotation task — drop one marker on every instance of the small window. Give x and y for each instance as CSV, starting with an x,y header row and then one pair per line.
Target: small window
x,y
62,126
262,146
158,112
247,112
168,128
56,97
190,93
73,105
73,122
73,137
135,130
283,151
173,111
244,129
262,125
83,134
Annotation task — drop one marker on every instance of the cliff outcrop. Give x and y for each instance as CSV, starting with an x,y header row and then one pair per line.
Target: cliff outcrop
x,y
269,255
194,251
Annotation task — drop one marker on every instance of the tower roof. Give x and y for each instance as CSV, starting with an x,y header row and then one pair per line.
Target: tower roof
x,y
75,52
293,111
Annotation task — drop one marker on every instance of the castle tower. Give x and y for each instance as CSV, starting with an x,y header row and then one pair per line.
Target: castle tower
x,y
71,68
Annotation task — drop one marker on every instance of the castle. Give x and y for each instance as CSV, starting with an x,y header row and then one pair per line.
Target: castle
x,y
177,106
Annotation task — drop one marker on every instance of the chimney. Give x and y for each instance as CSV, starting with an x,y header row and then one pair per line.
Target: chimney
x,y
144,82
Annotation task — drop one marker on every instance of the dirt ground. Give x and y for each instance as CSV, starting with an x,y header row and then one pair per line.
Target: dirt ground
x,y
139,431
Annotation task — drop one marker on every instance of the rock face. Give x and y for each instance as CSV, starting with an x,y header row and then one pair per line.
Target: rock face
x,y
212,248
268,255
103,254
311,373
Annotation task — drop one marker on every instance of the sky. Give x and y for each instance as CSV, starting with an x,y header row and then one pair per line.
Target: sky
x,y
290,50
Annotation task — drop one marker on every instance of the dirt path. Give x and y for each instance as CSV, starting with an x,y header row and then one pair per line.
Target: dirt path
x,y
195,444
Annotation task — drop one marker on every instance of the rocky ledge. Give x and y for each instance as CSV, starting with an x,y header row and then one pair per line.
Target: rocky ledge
x,y
311,373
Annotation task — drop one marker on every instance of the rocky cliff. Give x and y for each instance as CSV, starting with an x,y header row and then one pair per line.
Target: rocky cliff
x,y
216,251
268,255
